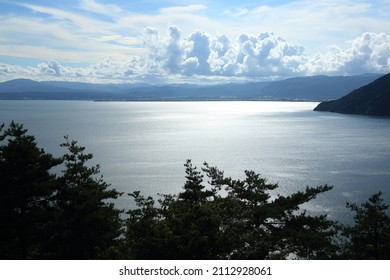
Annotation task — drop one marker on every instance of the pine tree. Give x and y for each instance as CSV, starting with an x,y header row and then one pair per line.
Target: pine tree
x,y
369,237
26,193
182,227
243,222
257,226
87,224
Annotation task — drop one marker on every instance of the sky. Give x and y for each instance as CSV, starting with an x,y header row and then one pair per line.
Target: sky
x,y
184,41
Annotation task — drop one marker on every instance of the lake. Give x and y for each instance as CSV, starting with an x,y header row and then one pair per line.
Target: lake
x,y
143,145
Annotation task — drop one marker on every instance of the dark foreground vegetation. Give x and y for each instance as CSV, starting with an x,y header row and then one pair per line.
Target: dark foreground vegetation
x,y
72,216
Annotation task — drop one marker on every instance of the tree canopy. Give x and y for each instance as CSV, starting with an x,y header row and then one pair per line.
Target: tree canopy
x,y
242,222
72,214
44,215
370,235
26,193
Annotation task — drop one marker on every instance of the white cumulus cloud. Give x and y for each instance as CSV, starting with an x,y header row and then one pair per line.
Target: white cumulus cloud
x,y
174,57
204,55
369,52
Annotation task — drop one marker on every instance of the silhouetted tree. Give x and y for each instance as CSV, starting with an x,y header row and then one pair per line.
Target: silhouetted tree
x,y
87,223
146,233
72,215
26,192
194,190
369,237
243,222
261,227
183,227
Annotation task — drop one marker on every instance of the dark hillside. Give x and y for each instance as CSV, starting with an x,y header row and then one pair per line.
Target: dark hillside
x,y
372,99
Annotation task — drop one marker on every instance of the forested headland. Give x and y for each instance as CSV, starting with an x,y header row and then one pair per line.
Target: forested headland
x,y
72,214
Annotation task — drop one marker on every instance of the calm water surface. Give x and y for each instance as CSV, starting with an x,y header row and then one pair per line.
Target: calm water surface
x,y
143,145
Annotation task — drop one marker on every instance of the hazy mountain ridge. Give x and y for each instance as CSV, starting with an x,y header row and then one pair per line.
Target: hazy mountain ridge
x,y
372,99
312,88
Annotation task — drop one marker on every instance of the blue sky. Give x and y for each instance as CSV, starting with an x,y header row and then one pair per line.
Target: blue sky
x,y
191,41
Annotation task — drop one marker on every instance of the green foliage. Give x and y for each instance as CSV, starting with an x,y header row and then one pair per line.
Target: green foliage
x,y
369,237
194,192
45,216
86,225
283,234
246,223
72,215
182,227
260,227
26,194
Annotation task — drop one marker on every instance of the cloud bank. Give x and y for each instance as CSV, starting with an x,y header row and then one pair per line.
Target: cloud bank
x,y
173,57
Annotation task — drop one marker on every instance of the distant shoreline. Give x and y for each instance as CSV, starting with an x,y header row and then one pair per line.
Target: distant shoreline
x,y
299,89
165,100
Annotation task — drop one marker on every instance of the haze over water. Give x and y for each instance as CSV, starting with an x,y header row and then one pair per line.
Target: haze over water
x,y
143,145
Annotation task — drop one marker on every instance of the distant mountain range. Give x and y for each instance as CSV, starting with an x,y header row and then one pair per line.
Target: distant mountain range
x,y
372,99
313,88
